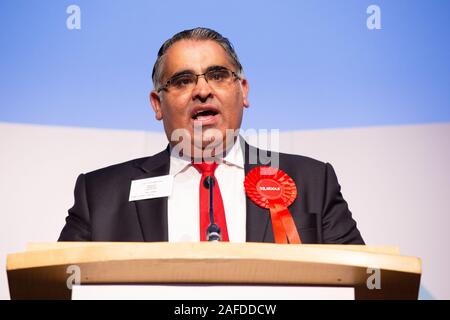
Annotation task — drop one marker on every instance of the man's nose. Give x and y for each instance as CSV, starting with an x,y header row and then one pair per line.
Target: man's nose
x,y
202,89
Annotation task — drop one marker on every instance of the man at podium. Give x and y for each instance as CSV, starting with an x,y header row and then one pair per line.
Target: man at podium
x,y
209,183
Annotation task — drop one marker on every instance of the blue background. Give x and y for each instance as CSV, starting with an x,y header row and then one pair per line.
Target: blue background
x,y
311,64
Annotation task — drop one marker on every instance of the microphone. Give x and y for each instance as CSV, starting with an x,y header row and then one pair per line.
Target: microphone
x,y
213,232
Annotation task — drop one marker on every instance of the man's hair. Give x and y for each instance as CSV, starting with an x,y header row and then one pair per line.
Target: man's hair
x,y
194,34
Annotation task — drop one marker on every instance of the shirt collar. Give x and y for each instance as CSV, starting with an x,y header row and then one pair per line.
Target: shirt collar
x,y
234,157
177,164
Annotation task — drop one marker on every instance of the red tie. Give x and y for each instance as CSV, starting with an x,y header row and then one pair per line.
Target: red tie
x,y
207,169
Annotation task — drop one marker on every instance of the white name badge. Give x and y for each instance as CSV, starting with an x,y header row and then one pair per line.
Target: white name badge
x,y
150,188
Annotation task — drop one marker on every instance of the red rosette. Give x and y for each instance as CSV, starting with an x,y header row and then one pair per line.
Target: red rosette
x,y
273,189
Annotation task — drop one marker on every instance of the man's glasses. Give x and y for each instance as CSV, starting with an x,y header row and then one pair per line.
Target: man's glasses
x,y
217,78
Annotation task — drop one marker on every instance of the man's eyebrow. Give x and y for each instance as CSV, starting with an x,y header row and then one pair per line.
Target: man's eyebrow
x,y
188,71
182,72
215,68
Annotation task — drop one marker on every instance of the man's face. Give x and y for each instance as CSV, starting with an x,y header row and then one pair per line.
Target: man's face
x,y
207,105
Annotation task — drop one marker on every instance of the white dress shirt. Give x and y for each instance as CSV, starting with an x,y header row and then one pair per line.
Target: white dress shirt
x,y
183,203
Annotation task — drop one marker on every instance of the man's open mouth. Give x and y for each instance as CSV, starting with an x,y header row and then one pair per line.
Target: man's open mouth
x,y
204,114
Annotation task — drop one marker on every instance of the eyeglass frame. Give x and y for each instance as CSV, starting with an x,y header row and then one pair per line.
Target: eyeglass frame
x,y
219,68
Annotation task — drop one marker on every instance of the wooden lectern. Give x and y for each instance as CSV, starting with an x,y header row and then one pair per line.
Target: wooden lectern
x,y
42,271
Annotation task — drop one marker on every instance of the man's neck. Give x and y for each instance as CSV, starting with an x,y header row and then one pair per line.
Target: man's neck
x,y
206,154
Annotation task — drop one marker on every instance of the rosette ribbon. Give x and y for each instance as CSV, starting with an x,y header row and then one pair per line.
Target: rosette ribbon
x,y
273,189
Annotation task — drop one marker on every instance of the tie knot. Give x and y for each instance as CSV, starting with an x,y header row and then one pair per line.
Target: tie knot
x,y
206,168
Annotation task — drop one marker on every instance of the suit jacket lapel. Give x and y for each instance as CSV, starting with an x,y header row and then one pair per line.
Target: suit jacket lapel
x,y
152,213
257,217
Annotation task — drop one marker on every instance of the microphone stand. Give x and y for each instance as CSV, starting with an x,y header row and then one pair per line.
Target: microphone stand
x,y
213,232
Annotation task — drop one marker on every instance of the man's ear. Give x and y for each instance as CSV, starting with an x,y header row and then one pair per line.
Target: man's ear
x,y
244,86
156,104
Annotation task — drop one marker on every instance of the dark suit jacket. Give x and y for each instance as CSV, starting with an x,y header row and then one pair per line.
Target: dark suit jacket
x,y
102,211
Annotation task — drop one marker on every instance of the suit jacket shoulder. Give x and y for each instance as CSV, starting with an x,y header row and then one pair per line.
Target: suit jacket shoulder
x,y
319,194
101,210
